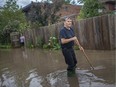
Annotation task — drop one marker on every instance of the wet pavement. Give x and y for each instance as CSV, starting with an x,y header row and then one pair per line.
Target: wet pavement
x,y
44,68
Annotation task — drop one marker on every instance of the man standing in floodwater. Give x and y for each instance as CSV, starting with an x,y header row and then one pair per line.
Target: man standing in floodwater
x,y
67,40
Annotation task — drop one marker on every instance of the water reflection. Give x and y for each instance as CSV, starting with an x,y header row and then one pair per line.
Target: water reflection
x,y
89,79
84,78
73,81
7,79
24,53
43,68
58,79
34,80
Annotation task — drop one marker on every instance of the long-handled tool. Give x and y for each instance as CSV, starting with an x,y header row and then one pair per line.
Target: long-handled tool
x,y
87,58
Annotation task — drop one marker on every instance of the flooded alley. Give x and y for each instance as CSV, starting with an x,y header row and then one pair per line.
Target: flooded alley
x,y
45,68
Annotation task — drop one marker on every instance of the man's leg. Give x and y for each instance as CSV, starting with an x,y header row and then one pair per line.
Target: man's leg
x,y
74,57
69,61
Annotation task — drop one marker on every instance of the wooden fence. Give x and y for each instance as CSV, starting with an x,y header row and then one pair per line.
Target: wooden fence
x,y
97,33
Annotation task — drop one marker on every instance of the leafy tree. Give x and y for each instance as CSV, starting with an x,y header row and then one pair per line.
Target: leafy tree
x,y
90,8
11,19
67,1
44,13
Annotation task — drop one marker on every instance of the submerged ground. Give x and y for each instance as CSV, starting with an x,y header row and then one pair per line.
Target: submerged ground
x,y
44,68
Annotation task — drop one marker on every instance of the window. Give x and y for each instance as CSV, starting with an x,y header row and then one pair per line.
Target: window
x,y
66,8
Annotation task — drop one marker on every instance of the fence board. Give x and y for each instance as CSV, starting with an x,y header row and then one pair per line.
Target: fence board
x,y
111,31
89,32
105,30
82,37
93,33
46,34
115,30
97,33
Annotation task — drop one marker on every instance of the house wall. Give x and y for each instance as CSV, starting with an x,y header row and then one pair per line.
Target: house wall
x,y
69,9
64,11
109,7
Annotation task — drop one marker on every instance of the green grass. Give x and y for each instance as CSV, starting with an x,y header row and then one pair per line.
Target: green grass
x,y
5,46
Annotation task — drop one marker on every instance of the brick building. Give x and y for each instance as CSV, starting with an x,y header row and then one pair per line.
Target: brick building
x,y
69,10
110,5
66,10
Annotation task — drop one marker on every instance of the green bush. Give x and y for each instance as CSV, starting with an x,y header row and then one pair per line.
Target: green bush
x,y
52,44
40,42
76,47
30,44
7,46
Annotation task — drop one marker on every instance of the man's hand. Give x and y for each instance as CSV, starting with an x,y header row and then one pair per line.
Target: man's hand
x,y
81,48
77,42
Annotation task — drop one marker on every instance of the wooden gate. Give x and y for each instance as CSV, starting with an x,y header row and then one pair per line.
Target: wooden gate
x,y
15,39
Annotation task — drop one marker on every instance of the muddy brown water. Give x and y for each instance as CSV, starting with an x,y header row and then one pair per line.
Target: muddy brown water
x,y
44,68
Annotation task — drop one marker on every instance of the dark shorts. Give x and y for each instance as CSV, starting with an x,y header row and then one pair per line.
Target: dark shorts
x,y
22,43
70,58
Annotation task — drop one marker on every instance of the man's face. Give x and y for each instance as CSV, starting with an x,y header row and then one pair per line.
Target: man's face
x,y
68,22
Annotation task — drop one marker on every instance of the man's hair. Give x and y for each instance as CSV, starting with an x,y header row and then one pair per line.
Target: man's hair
x,y
66,18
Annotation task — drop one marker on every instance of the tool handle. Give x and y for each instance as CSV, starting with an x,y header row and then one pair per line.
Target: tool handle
x,y
87,58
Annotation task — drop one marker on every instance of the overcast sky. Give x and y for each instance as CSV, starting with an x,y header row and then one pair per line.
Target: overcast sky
x,y
26,2
20,2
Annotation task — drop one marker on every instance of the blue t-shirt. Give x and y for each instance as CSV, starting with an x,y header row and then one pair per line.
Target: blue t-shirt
x,y
66,33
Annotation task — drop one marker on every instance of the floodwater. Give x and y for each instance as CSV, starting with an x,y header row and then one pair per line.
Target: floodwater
x,y
44,68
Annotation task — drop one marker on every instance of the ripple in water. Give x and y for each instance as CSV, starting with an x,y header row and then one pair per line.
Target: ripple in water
x,y
85,77
34,80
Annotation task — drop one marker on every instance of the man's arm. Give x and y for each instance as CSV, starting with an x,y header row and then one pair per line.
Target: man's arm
x,y
64,41
77,43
